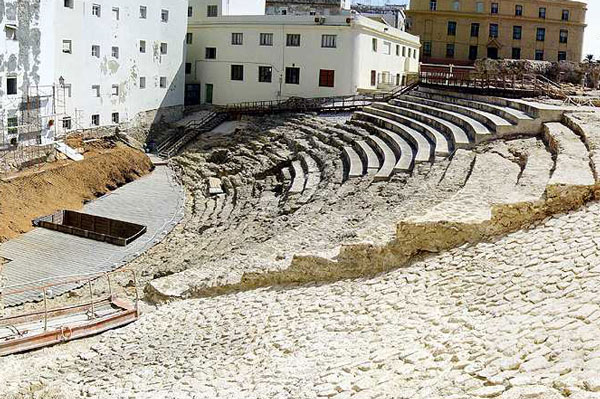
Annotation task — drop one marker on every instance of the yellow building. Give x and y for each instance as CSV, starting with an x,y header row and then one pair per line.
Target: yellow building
x,y
461,31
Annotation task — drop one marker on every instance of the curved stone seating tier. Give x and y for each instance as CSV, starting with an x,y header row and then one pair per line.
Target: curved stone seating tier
x,y
369,155
388,159
453,133
586,124
477,131
313,177
298,180
355,166
404,152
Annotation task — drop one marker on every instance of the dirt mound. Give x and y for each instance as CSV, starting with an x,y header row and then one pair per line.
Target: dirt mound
x,y
66,186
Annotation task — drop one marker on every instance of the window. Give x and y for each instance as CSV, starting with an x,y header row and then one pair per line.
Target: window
x,y
542,12
142,82
373,78
11,32
292,75
164,15
409,52
96,90
403,51
163,48
212,11
292,40
326,78
415,52
96,10
540,34
66,123
95,120
451,28
562,55
115,90
456,6
374,44
143,12
142,46
12,125
188,68
433,5
163,82
474,30
68,3
494,9
329,41
67,88
115,52
516,53
11,85
450,50
518,10
190,11
210,53
565,15
479,6
96,51
564,36
398,50
266,39
427,49
493,30
387,48
189,38
472,53
539,55
115,117
237,72
115,13
237,39
265,74
517,32
67,46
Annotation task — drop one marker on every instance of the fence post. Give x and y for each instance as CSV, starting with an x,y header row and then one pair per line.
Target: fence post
x,y
45,310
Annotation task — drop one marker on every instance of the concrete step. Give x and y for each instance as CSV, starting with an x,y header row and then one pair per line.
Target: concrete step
x,y
298,178
404,152
388,158
353,162
369,156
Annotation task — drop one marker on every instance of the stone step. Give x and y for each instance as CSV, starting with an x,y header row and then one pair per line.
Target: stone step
x,y
354,163
388,159
313,177
298,179
477,131
586,125
404,151
454,133
369,156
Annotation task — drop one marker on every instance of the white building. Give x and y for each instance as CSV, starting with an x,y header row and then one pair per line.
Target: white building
x,y
264,57
307,7
91,63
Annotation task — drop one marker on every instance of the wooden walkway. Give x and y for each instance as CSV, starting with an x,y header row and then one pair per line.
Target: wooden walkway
x,y
155,200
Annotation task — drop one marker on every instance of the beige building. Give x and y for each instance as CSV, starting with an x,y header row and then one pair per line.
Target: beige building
x,y
461,31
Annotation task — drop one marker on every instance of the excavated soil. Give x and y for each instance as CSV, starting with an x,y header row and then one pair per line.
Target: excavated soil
x,y
66,185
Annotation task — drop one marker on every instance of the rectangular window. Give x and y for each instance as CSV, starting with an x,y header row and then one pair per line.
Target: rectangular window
x,y
142,46
292,75
326,78
115,52
115,12
12,124
115,90
143,12
409,52
212,11
96,51
95,120
373,78
518,10
451,28
374,44
210,53
163,82
329,41
540,34
456,5
68,3
67,46
164,15
494,9
403,51
433,5
539,55
493,30
266,39
115,117
11,85
189,38
398,50
387,48
66,123
564,36
237,39
479,6
516,53
565,15
562,55
427,49
542,12
142,82
473,53
164,48
96,90
292,40
450,50
265,74
67,88
190,11
474,30
96,10
188,68
517,32
237,72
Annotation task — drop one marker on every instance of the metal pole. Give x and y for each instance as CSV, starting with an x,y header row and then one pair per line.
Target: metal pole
x,y
45,311
109,285
92,299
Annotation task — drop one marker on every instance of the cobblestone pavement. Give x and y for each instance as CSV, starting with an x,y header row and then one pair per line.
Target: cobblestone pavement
x,y
515,318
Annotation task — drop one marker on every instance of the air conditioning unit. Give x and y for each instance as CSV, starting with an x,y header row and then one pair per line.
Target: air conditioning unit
x,y
319,20
348,20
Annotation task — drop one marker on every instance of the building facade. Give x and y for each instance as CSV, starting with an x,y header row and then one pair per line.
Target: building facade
x,y
88,64
234,59
461,31
307,7
391,14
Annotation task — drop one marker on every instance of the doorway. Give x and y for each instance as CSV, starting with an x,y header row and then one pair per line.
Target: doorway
x,y
192,94
492,52
209,94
